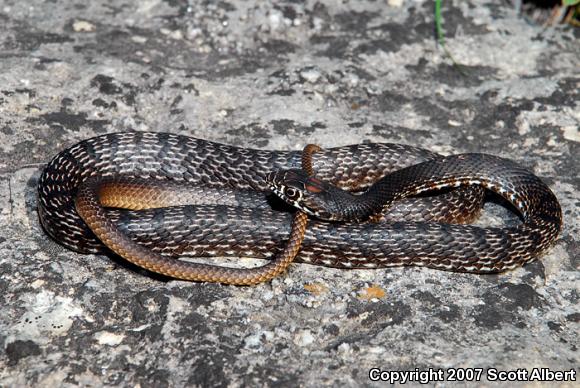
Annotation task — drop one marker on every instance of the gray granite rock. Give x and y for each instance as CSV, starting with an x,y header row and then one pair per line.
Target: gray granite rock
x,y
279,75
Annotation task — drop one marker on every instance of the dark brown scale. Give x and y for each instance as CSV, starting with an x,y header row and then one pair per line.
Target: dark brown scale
x,y
260,229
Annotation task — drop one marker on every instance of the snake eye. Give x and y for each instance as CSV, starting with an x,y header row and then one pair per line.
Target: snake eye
x,y
291,193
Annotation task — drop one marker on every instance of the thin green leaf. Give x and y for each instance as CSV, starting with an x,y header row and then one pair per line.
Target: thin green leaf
x,y
570,2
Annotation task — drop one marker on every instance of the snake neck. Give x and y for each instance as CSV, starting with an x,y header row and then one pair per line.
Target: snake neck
x,y
342,205
351,207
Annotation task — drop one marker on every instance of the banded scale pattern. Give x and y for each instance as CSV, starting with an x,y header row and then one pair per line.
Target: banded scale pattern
x,y
250,223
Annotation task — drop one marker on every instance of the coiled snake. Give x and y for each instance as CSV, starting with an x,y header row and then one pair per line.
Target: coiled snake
x,y
222,205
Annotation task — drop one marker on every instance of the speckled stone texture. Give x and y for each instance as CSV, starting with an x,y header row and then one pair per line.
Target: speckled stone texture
x,y
280,75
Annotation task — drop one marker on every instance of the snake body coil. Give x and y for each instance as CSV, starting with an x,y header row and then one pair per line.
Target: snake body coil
x,y
233,216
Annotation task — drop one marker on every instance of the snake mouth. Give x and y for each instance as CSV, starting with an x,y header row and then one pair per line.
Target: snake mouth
x,y
291,187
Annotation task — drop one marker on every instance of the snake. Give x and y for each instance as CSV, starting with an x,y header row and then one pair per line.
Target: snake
x,y
225,205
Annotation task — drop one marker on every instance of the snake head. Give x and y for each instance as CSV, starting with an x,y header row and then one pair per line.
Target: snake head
x,y
306,193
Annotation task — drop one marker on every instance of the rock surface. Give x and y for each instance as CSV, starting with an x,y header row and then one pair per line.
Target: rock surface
x,y
279,75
